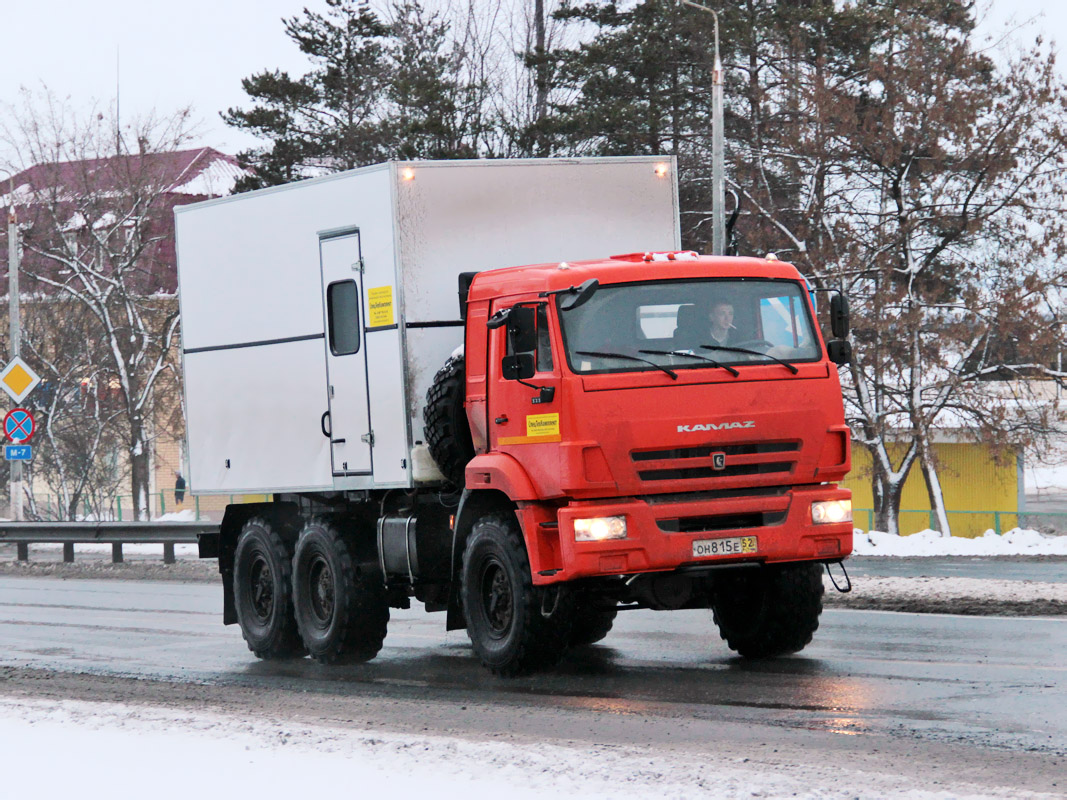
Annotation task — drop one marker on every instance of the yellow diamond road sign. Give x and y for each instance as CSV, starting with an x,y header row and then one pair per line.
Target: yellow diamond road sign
x,y
18,380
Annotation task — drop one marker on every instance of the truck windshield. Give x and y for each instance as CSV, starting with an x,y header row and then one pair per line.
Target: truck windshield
x,y
693,324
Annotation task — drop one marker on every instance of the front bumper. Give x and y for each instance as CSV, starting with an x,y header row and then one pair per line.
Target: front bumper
x,y
661,531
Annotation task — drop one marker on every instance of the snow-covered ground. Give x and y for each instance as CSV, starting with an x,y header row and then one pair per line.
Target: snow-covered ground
x,y
1048,477
1017,542
122,751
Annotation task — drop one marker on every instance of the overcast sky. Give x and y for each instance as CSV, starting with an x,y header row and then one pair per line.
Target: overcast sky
x,y
195,52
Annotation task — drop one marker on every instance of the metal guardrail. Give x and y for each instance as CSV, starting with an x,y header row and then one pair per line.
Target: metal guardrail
x,y
116,534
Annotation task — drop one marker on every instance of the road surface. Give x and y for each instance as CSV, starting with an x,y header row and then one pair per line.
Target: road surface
x,y
929,698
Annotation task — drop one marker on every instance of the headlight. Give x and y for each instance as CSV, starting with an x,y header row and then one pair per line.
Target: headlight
x,y
826,511
597,529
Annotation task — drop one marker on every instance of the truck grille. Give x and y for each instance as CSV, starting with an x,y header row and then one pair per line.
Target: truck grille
x,y
722,522
688,463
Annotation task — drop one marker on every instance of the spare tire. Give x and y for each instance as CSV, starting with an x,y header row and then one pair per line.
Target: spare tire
x,y
448,432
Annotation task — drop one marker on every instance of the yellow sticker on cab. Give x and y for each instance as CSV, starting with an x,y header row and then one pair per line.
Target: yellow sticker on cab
x,y
542,425
380,313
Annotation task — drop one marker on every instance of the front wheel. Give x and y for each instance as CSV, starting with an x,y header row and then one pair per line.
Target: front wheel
x,y
514,626
342,609
770,611
592,621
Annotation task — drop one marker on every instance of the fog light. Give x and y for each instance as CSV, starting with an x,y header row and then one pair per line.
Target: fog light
x,y
597,529
825,512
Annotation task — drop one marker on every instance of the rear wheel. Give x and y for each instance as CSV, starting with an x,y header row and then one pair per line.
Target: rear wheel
x,y
262,589
771,611
342,610
514,626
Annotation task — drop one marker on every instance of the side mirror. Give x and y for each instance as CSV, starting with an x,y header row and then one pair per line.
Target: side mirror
x,y
839,351
522,329
517,367
580,296
839,322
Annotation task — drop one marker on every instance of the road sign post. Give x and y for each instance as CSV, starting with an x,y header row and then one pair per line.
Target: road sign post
x,y
16,336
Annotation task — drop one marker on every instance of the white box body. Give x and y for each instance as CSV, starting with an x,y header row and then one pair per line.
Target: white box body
x,y
253,272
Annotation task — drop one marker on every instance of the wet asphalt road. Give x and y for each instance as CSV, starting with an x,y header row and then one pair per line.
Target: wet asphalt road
x,y
981,682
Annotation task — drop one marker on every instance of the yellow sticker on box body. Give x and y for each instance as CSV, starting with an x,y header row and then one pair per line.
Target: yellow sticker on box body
x,y
381,306
542,425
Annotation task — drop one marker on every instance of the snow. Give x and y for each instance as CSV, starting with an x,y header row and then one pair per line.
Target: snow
x,y
188,515
121,751
215,180
1044,479
931,543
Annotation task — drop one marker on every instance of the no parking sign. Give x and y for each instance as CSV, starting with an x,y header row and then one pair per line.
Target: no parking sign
x,y
19,425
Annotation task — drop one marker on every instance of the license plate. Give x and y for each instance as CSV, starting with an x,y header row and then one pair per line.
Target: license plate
x,y
736,546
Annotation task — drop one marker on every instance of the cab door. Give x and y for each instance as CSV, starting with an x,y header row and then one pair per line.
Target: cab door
x,y
347,419
524,421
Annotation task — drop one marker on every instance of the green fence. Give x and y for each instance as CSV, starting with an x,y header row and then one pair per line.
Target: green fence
x,y
980,521
118,508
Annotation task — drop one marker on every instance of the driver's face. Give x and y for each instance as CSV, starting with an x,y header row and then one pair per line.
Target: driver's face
x,y
721,316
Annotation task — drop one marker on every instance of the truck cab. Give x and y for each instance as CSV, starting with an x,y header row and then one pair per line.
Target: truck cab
x,y
643,454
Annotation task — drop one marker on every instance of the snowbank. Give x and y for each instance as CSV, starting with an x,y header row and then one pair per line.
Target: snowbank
x,y
125,751
1017,542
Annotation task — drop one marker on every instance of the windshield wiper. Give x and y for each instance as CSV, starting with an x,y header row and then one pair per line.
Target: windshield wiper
x,y
596,354
711,361
791,368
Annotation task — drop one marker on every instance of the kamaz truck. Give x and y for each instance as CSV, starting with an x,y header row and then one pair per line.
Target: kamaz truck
x,y
528,449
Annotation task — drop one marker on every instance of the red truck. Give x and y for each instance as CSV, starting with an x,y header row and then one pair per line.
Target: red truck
x,y
658,430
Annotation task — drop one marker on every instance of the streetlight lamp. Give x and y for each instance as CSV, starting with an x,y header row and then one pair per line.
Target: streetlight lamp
x,y
718,171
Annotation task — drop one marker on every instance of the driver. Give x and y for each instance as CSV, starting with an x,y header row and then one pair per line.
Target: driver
x,y
720,322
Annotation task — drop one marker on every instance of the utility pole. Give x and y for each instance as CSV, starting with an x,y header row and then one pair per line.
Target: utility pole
x,y
718,150
16,335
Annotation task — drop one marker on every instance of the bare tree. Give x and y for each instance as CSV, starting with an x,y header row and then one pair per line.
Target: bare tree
x,y
926,179
97,229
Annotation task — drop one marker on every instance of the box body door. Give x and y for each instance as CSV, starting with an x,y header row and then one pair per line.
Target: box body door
x,y
348,419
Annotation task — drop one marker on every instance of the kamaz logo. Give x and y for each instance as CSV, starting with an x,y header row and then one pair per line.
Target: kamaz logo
x,y
713,426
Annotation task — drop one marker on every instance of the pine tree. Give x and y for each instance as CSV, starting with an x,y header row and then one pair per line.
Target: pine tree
x,y
436,111
331,118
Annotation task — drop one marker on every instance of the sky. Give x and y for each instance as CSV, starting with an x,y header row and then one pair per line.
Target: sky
x,y
195,52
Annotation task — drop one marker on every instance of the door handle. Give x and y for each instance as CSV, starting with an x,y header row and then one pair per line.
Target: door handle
x,y
322,424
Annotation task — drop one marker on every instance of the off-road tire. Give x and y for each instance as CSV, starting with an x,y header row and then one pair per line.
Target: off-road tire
x,y
592,622
342,609
262,590
505,612
771,611
448,432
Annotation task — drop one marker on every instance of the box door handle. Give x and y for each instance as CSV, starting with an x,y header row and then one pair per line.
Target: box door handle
x,y
322,424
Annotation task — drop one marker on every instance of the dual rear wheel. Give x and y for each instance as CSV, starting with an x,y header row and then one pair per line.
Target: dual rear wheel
x,y
317,598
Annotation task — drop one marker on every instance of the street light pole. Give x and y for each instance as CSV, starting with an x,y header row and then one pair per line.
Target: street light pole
x,y
718,150
16,335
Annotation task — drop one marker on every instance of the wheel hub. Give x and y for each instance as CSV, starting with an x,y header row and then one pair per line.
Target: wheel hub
x,y
322,596
262,585
497,597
